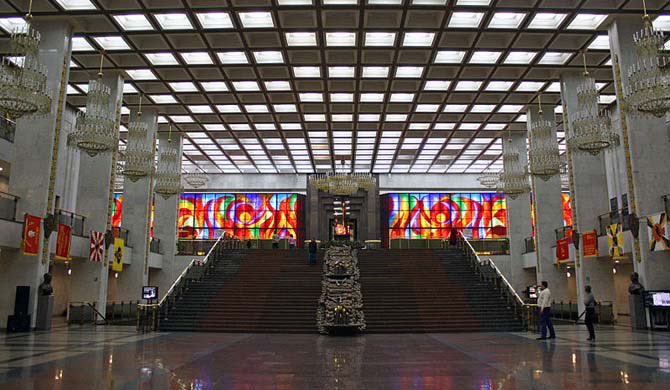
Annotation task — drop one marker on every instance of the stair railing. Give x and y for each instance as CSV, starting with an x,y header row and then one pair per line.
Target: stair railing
x,y
489,271
149,315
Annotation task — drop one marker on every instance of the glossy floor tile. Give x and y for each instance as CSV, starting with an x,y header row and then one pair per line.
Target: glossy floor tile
x,y
118,358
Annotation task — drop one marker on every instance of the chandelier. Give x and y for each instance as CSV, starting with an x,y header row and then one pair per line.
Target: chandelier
x,y
139,157
168,174
95,130
23,79
648,91
196,178
489,179
591,129
543,155
514,178
342,182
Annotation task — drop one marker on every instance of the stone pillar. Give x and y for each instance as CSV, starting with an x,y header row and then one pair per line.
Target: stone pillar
x,y
34,168
518,222
646,147
372,199
548,217
589,197
312,214
165,226
94,197
136,214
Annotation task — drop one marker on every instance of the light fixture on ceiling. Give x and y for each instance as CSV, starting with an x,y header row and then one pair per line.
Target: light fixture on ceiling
x,y
543,154
648,91
513,180
342,182
590,129
489,178
23,84
196,178
168,171
95,129
139,156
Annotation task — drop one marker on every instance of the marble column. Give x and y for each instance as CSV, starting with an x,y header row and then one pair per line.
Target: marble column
x,y
589,199
372,200
33,170
548,216
518,221
136,213
165,226
94,197
646,146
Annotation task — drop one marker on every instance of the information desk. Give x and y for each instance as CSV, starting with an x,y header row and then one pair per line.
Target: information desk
x,y
657,304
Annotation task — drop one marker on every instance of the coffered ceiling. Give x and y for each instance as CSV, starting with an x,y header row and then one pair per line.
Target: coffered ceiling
x,y
296,86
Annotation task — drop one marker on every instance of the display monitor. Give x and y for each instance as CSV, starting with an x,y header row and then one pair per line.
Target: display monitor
x,y
149,292
661,299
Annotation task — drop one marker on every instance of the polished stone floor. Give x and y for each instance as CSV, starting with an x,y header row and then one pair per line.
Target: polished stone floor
x,y
118,358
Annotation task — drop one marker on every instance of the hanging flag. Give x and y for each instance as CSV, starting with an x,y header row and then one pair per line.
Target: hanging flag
x,y
119,249
30,242
590,244
615,240
562,249
63,242
657,229
97,247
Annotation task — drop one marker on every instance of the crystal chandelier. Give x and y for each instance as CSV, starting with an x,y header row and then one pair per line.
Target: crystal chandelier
x,y
341,182
95,130
23,79
543,155
489,179
591,129
196,178
648,91
513,179
168,174
139,157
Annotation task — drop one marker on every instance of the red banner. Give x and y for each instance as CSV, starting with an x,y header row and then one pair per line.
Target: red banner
x,y
590,244
63,242
32,227
562,249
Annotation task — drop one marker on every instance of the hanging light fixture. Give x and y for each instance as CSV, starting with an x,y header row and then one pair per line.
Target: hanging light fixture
x,y
95,130
341,182
648,90
23,79
591,129
489,179
196,179
543,155
139,157
168,174
514,178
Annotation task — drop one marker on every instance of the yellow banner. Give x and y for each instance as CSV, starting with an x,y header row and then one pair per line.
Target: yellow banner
x,y
119,251
615,240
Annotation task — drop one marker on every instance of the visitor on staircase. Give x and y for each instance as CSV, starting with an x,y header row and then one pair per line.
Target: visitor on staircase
x,y
291,242
544,302
312,252
275,240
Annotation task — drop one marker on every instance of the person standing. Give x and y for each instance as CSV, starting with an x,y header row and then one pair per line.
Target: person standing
x,y
275,240
313,248
544,302
590,305
291,242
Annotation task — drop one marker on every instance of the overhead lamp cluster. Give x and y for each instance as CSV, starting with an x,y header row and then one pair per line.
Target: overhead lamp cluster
x,y
23,79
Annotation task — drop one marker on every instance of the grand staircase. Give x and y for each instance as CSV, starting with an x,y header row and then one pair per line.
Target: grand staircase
x,y
403,291
428,290
251,291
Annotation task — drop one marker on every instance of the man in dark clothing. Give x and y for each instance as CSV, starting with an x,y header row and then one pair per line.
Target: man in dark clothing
x,y
313,248
590,307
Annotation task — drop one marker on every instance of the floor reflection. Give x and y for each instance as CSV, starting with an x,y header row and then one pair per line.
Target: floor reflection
x,y
120,359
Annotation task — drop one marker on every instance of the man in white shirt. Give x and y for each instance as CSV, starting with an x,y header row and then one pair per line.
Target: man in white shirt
x,y
544,302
